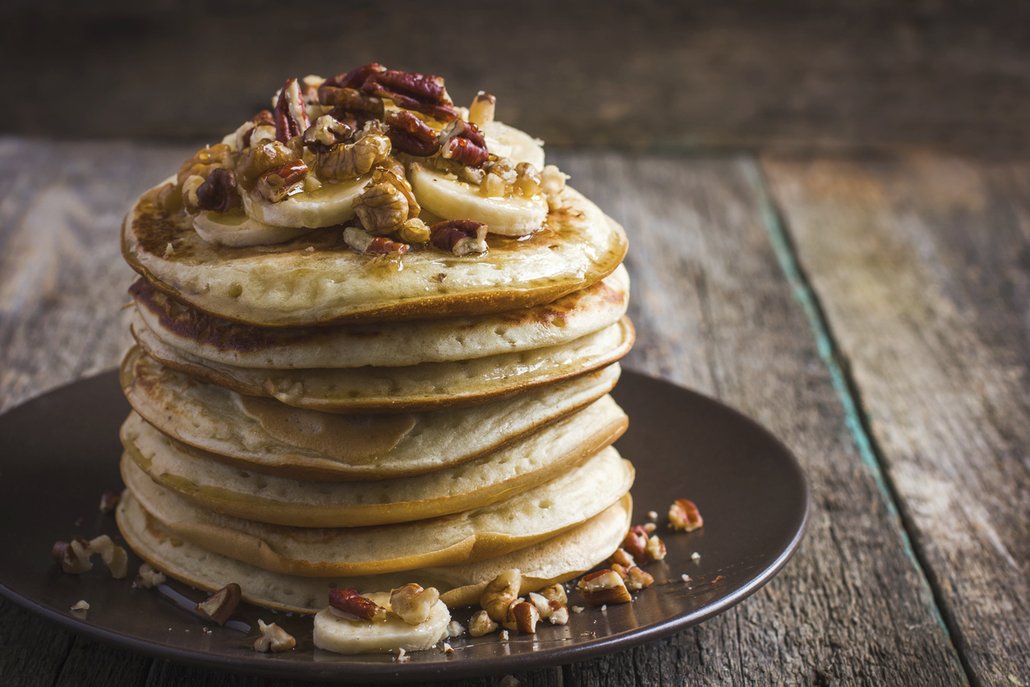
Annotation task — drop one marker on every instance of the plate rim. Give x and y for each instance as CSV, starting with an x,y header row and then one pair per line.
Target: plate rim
x,y
386,673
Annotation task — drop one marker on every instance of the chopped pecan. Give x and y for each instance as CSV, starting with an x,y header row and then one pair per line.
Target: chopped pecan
x,y
684,515
348,603
279,183
291,115
115,557
463,142
73,556
204,161
412,603
352,101
413,230
623,558
527,181
411,135
220,606
218,193
356,77
459,236
351,160
246,133
326,132
635,543
552,183
273,638
604,587
633,576
148,578
424,93
482,110
109,501
655,548
260,158
361,241
522,616
481,624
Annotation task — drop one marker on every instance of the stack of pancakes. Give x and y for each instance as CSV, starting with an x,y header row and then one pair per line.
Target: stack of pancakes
x,y
305,416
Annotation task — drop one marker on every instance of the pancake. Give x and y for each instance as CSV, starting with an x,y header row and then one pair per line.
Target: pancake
x,y
519,521
384,344
531,461
264,435
428,386
289,285
554,560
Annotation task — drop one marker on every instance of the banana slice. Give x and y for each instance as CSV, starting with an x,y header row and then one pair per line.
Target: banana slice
x,y
237,230
329,205
344,636
507,141
453,199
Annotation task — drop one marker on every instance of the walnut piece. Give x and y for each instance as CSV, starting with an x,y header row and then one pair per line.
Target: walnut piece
x,y
273,638
684,515
481,624
347,603
412,603
352,160
604,587
220,606
499,593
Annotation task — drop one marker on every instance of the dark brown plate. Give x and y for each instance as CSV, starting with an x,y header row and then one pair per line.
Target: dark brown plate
x,y
60,451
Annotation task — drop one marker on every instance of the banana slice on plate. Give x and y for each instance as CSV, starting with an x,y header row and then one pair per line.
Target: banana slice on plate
x,y
332,204
237,230
507,141
450,198
343,636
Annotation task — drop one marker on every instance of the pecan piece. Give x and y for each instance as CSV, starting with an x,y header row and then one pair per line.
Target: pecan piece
x,y
273,638
204,161
463,142
326,132
291,115
356,77
413,603
522,616
347,603
381,208
684,515
482,110
481,624
260,158
218,193
635,543
73,556
279,183
424,93
349,161
604,587
351,100
411,135
109,501
220,606
459,236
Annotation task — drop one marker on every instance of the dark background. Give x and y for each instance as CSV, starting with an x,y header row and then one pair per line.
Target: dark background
x,y
656,75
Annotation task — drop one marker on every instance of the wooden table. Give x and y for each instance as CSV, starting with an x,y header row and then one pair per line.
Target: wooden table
x,y
873,313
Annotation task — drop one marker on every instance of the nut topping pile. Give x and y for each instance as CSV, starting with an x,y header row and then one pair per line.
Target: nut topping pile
x,y
372,126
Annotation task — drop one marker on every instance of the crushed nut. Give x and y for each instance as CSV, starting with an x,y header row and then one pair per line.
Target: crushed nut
x,y
80,606
578,609
204,161
401,655
649,527
560,616
695,556
279,183
190,201
504,635
527,181
290,114
218,192
355,77
652,515
684,515
455,629
603,587
220,606
73,556
685,577
481,624
655,548
493,186
621,557
459,236
347,603
555,593
115,557
482,109
148,578
109,501
447,648
634,577
413,603
500,592
552,183
522,616
273,638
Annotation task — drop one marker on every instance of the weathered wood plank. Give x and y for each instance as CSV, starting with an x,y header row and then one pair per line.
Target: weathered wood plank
x,y
922,264
713,311
851,73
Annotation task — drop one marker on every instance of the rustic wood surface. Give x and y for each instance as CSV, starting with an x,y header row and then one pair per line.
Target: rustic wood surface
x,y
723,303
648,74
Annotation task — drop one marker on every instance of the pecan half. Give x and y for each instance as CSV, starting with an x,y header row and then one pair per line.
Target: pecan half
x,y
459,236
349,604
411,135
291,115
351,100
684,515
218,193
381,208
463,142
522,616
220,606
355,77
424,93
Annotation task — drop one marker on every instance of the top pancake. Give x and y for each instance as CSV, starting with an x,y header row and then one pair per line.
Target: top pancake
x,y
317,279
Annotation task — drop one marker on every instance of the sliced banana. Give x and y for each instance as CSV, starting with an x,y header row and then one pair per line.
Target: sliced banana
x,y
343,636
332,204
453,199
507,141
237,230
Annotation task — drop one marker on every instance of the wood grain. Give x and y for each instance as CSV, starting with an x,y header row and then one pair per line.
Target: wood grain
x,y
925,280
713,311
652,74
